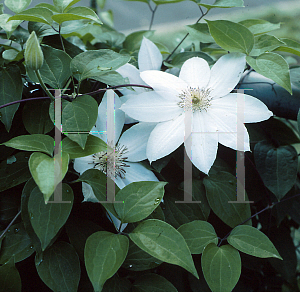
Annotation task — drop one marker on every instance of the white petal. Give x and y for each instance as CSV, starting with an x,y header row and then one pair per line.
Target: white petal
x,y
162,81
83,163
165,138
135,139
149,57
195,72
226,73
204,142
254,110
124,98
88,193
101,123
116,221
151,107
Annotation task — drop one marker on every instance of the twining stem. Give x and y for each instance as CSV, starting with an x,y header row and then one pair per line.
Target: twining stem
x,y
9,225
37,72
152,16
203,14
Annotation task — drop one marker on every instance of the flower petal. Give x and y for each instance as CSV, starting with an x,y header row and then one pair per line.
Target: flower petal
x,y
101,123
195,72
254,109
124,98
162,81
149,57
135,140
83,163
165,138
151,107
226,73
88,193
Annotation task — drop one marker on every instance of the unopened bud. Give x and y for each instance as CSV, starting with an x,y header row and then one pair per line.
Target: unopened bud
x,y
34,57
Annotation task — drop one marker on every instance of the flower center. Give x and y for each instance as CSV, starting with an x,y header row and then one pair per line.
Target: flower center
x,y
112,163
195,99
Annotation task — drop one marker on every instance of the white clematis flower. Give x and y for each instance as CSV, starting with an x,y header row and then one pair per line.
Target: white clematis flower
x,y
122,164
201,97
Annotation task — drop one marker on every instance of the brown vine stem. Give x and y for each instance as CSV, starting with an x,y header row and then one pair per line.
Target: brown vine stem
x,y
9,225
203,14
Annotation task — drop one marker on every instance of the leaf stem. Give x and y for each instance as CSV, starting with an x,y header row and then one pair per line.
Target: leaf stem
x,y
153,14
37,72
10,224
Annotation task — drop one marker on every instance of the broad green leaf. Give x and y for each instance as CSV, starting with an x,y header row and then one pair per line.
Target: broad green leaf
x,y
291,46
17,5
200,31
97,180
221,267
60,268
180,58
62,5
276,166
139,200
78,230
9,26
93,63
56,68
265,43
13,174
46,171
93,145
259,26
41,29
117,284
295,77
158,2
47,5
223,4
16,245
36,117
139,260
111,78
77,13
145,1
273,66
164,242
78,118
11,87
251,241
35,142
104,254
231,36
10,280
220,190
198,234
10,55
152,283
112,38
47,219
41,14
133,41
298,120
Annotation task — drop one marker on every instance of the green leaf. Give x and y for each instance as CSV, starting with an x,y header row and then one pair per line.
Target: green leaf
x,y
152,283
221,267
223,4
251,241
158,2
273,66
221,189
276,166
60,268
77,13
104,254
35,142
94,63
41,14
47,5
295,77
9,26
265,43
36,117
47,219
231,36
259,26
117,284
180,58
139,200
145,1
56,68
97,180
198,234
93,145
200,31
16,245
139,260
78,118
63,5
13,174
164,242
11,55
111,78
11,90
46,171
133,41
17,5
291,46
10,280
298,120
